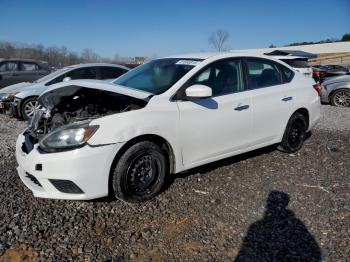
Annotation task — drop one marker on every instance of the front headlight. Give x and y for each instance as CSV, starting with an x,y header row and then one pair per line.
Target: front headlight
x,y
68,137
13,94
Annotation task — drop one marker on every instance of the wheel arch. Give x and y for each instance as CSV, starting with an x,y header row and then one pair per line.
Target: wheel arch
x,y
157,139
305,114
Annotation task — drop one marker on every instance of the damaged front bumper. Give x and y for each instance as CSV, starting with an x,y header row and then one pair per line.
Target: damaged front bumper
x,y
15,107
5,104
79,174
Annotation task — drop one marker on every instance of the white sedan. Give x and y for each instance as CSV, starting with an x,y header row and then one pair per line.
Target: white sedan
x,y
124,138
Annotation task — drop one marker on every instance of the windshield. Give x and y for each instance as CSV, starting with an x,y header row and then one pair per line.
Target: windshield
x,y
52,75
158,75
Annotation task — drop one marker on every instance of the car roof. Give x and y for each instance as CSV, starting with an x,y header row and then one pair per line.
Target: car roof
x,y
207,55
288,57
96,64
23,60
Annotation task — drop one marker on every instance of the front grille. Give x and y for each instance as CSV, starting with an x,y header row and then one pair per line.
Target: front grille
x,y
66,186
33,179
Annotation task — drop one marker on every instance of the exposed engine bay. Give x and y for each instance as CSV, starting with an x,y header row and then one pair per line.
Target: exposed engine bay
x,y
71,104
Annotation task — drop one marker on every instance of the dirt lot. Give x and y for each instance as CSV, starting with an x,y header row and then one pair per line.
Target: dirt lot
x,y
236,208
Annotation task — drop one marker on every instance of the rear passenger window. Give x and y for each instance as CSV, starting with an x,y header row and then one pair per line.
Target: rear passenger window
x,y
263,73
28,66
110,72
223,77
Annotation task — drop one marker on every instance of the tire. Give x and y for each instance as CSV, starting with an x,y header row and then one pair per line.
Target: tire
x,y
139,174
294,135
28,106
341,98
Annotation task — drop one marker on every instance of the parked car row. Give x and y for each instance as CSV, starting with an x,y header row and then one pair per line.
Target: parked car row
x,y
21,100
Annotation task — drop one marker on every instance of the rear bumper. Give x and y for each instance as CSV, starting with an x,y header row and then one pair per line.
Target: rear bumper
x,y
315,112
80,174
324,95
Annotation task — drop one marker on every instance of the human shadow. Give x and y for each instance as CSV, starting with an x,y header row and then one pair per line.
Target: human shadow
x,y
279,236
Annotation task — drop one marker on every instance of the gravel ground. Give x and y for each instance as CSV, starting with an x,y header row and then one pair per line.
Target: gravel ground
x,y
226,210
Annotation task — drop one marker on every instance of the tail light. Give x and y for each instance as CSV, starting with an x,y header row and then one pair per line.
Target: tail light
x,y
317,72
317,87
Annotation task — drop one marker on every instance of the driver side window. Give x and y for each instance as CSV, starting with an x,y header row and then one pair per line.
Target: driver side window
x,y
223,77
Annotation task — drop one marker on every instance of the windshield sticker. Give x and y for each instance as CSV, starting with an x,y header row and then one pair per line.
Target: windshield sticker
x,y
188,62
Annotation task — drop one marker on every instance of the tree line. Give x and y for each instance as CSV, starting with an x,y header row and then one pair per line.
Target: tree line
x,y
58,56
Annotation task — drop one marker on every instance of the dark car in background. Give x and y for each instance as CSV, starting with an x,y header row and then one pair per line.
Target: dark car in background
x,y
336,70
320,72
13,71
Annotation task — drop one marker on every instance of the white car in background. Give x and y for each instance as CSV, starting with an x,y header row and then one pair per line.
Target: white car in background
x,y
22,99
298,63
171,114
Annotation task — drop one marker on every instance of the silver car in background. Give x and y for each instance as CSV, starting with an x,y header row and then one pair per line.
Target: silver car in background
x,y
21,100
336,91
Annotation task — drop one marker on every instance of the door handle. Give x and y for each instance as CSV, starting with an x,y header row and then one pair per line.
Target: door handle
x,y
241,108
286,99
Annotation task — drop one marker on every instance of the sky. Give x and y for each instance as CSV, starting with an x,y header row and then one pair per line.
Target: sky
x,y
157,28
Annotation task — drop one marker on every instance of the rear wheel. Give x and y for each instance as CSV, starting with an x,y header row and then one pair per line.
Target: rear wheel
x,y
341,98
294,135
140,172
28,107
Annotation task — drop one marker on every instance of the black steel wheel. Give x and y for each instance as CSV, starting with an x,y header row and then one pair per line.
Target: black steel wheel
x,y
294,135
139,173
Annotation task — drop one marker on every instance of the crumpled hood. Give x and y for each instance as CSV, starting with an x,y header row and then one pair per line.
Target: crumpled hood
x,y
51,97
15,88
337,79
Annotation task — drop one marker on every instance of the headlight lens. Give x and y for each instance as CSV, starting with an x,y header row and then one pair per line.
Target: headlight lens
x,y
68,137
13,94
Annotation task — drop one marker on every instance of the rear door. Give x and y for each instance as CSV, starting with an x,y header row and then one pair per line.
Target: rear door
x,y
272,98
211,128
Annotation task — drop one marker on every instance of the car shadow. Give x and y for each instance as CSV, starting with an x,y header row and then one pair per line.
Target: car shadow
x,y
279,235
206,168
225,162
217,164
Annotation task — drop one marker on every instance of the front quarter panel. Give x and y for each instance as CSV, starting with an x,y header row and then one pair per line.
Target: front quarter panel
x,y
159,117
37,91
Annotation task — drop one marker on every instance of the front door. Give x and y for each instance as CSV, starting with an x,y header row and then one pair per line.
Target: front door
x,y
215,127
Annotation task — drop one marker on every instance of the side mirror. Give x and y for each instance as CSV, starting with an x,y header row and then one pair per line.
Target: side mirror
x,y
198,91
67,78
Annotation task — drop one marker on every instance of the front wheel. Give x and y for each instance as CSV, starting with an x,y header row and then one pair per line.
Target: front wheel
x,y
140,172
29,106
294,135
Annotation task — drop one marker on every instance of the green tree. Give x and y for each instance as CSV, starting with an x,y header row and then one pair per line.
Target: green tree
x,y
346,37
